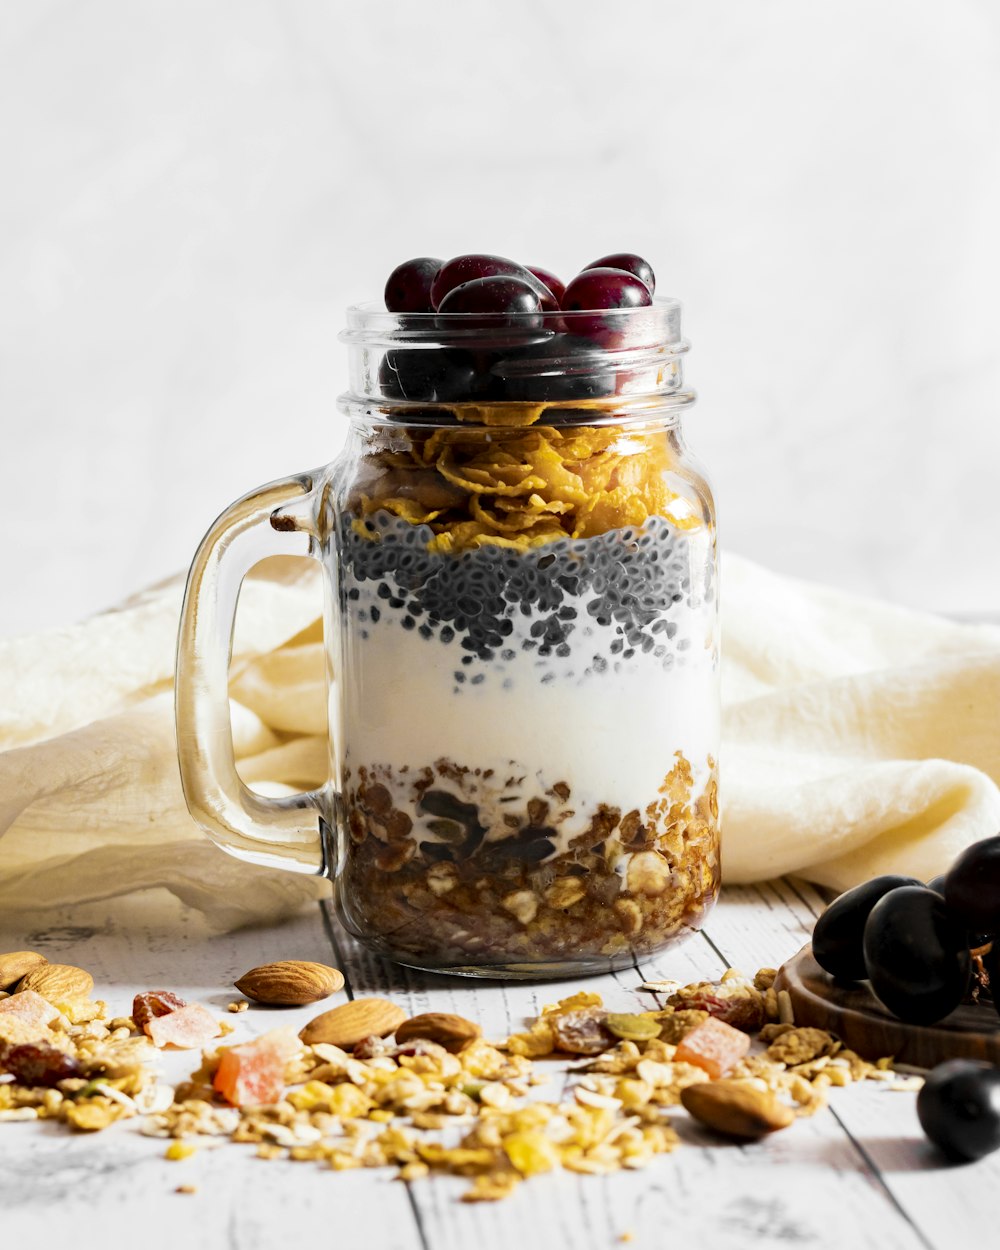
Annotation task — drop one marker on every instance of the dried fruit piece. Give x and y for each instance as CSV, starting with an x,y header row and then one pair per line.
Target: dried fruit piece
x,y
735,1000
28,1007
450,1031
714,1047
16,964
253,1073
632,1028
56,982
290,983
371,1047
39,1063
347,1024
153,1003
188,1027
580,1032
736,1108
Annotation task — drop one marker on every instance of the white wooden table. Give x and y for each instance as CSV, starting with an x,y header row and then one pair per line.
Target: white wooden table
x,y
858,1175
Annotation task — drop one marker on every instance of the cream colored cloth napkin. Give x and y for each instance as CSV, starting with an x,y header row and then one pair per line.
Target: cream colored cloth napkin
x,y
858,738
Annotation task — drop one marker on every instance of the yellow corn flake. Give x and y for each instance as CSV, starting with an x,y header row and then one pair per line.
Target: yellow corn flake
x,y
407,509
464,1160
508,485
313,1096
492,1187
537,1043
178,1150
415,1171
518,415
343,1160
583,998
81,1010
632,1092
491,478
531,1153
480,1059
91,1117
610,510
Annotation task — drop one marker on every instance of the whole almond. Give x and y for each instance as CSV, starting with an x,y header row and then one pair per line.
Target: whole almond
x,y
290,983
736,1109
15,964
347,1024
452,1032
57,982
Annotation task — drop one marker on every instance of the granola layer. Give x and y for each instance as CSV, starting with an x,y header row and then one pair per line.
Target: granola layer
x,y
448,866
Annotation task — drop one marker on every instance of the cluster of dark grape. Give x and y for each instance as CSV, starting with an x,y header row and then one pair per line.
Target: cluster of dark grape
x,y
925,948
919,944
559,327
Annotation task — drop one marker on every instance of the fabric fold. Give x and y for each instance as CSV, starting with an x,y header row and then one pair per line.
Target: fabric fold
x,y
858,738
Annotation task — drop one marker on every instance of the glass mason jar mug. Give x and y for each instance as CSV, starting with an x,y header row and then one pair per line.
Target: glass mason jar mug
x,y
522,631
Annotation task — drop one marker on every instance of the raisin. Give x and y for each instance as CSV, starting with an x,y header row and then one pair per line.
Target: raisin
x,y
154,1003
372,1047
40,1064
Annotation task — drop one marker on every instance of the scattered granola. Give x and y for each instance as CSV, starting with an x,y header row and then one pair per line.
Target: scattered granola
x,y
437,1097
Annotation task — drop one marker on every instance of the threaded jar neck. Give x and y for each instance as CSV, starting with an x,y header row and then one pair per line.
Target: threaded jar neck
x,y
504,369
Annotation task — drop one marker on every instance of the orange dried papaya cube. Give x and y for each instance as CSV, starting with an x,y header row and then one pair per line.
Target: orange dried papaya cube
x,y
714,1047
253,1073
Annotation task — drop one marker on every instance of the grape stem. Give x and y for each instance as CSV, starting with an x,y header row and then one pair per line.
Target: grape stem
x,y
980,977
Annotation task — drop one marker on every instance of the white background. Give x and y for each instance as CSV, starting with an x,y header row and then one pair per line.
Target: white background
x,y
192,190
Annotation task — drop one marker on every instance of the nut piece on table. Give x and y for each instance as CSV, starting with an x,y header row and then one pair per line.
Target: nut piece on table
x,y
581,1032
350,1023
290,983
736,1108
57,982
450,1031
16,964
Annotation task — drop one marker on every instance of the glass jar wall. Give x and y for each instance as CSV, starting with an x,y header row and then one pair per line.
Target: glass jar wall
x,y
524,642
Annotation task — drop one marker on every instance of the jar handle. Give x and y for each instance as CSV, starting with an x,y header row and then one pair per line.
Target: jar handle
x,y
283,832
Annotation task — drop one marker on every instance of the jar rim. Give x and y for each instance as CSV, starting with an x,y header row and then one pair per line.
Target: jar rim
x,y
371,325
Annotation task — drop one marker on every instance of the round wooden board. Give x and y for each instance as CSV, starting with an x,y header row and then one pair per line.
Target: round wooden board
x,y
865,1026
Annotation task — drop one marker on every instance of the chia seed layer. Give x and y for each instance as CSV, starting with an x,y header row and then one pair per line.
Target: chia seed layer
x,y
602,599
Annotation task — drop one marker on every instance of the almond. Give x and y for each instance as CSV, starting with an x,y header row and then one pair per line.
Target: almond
x,y
15,964
736,1109
57,982
290,983
347,1024
452,1032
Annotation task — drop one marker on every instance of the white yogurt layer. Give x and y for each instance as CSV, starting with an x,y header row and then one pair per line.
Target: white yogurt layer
x,y
610,736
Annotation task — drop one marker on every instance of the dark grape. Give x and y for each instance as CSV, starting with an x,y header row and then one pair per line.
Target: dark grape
x,y
603,289
959,1108
499,294
916,955
468,268
562,367
429,375
554,285
837,937
937,884
631,263
972,885
408,289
